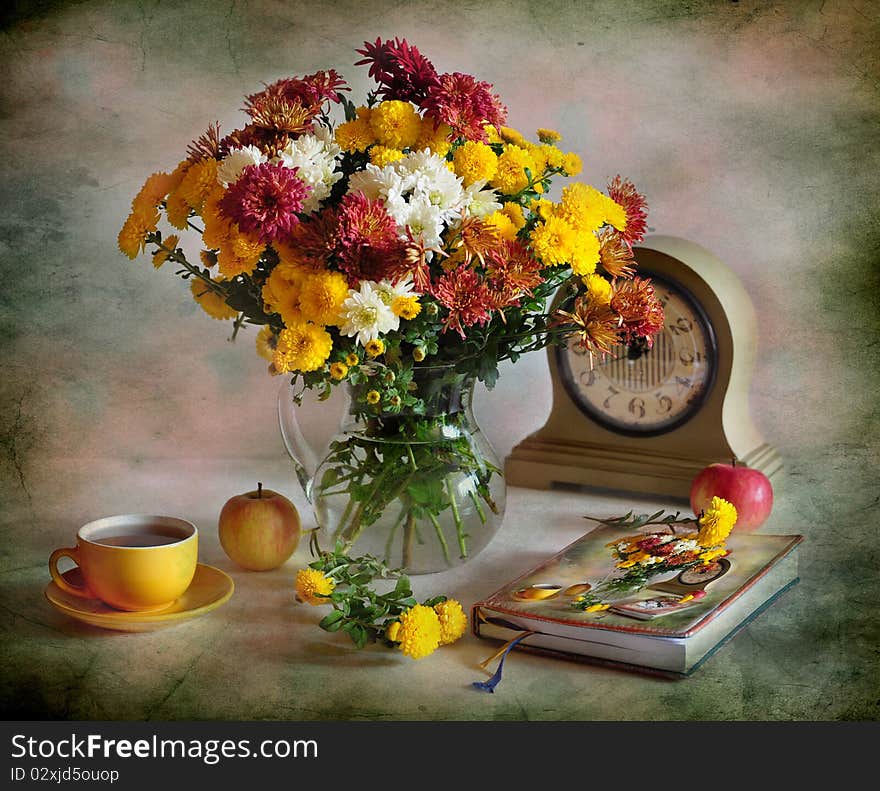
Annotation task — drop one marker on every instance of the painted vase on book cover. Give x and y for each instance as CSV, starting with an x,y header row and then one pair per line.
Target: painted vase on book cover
x,y
419,487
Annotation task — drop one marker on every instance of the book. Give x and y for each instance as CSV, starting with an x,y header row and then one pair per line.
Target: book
x,y
669,627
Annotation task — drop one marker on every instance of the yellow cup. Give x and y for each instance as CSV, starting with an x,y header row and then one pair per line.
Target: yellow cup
x,y
134,562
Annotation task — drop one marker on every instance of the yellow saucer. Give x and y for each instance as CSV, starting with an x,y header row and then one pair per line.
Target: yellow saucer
x,y
209,589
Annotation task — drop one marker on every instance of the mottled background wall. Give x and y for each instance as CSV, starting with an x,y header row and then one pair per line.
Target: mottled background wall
x,y
751,127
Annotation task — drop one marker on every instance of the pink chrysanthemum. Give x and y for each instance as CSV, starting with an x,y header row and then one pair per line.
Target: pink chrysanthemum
x,y
624,192
265,200
311,90
367,244
466,104
467,298
402,71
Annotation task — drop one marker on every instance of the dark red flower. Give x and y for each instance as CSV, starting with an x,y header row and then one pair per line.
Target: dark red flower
x,y
467,298
402,71
265,200
513,271
466,104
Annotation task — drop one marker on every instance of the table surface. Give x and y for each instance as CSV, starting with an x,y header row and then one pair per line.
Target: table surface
x,y
262,656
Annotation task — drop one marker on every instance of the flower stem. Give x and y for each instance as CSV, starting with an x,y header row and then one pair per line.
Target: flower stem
x,y
408,531
476,502
459,527
400,517
440,536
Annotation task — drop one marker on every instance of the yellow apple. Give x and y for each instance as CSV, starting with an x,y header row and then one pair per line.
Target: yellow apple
x,y
259,530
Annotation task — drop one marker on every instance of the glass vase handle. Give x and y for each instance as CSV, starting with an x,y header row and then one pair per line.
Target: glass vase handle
x,y
303,456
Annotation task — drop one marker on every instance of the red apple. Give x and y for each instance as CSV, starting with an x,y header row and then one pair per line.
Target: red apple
x,y
259,530
749,490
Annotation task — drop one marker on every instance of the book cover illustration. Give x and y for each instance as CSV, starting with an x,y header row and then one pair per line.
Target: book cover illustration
x,y
548,591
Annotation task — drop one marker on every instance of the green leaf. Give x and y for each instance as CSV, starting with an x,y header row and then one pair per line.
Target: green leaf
x,y
332,621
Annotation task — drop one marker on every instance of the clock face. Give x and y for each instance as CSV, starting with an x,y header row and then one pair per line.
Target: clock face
x,y
647,392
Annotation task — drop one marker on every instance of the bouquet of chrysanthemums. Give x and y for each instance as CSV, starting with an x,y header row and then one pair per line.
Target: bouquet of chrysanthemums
x,y
411,232
415,230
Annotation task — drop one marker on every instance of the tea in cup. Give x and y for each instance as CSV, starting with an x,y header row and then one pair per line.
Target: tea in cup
x,y
133,562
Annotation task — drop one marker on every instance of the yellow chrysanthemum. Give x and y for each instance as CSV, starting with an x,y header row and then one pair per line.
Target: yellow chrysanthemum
x,y
375,347
453,621
356,135
538,157
615,214
474,161
407,307
338,370
598,289
281,292
210,301
553,156
199,182
419,354
382,155
510,135
266,342
548,135
392,631
625,564
585,254
208,258
239,253
716,523
515,213
132,235
510,176
396,124
169,243
155,188
597,608
492,134
583,206
554,241
420,631
503,225
571,163
434,138
373,397
177,210
321,297
351,359
543,208
312,586
302,347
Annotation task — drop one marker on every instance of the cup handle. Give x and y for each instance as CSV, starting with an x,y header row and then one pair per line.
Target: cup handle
x,y
75,590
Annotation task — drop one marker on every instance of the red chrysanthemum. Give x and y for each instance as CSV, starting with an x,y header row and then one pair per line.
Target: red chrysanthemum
x,y
639,309
269,141
312,242
467,298
265,201
466,104
367,244
402,72
311,90
512,272
624,192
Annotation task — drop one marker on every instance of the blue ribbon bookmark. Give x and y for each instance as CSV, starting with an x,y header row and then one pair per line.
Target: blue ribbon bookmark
x,y
489,686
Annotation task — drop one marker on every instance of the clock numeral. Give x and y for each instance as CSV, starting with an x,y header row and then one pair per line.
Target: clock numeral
x,y
607,402
637,407
684,383
682,325
577,348
664,405
588,378
688,358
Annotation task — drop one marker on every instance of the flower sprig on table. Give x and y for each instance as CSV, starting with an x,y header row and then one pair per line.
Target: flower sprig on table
x,y
647,554
393,618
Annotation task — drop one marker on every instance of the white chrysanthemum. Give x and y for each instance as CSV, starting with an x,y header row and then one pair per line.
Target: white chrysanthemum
x,y
685,545
365,314
232,165
389,291
424,220
425,175
480,202
314,156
